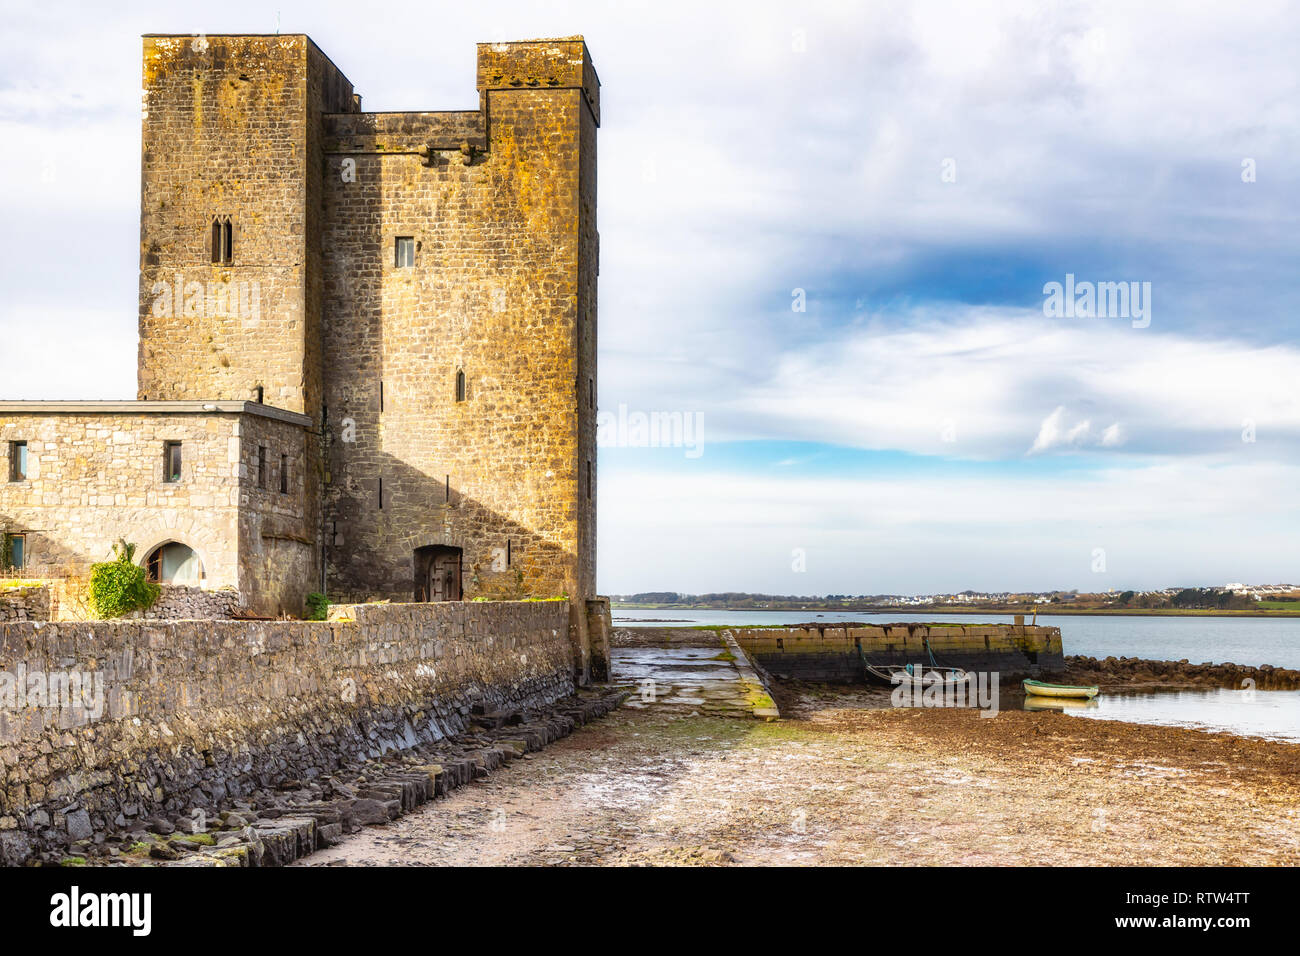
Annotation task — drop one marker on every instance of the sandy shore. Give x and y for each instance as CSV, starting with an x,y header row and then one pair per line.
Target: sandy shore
x,y
843,781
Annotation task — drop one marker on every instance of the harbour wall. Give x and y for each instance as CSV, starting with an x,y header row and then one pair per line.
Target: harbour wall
x,y
835,652
186,714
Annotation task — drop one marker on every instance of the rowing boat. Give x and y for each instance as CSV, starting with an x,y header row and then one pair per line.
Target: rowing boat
x,y
1040,689
920,676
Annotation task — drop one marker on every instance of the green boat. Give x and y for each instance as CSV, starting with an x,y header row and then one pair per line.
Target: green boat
x,y
1040,689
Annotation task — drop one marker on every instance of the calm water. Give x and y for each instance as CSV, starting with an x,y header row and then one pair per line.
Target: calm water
x,y
1252,641
1274,713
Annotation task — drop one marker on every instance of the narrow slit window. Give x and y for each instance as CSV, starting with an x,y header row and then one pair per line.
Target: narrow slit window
x,y
15,557
284,474
381,494
509,550
261,466
18,461
404,252
588,478
591,393
460,385
172,461
223,241
446,489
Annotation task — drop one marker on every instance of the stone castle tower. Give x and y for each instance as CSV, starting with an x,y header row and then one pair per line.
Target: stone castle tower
x,y
417,289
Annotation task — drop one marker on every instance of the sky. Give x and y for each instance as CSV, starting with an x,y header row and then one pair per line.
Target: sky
x,y
828,237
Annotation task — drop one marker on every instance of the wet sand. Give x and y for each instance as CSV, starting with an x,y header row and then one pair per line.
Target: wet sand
x,y
843,781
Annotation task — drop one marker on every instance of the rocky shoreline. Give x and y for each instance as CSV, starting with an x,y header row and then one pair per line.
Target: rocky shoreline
x,y
275,826
1137,672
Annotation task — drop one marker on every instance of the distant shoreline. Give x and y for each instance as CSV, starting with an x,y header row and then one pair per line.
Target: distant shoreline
x,y
925,609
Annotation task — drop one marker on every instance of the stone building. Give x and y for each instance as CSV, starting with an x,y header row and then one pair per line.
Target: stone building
x,y
367,354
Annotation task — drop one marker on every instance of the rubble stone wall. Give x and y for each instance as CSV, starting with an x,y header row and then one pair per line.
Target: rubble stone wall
x,y
198,713
25,603
176,602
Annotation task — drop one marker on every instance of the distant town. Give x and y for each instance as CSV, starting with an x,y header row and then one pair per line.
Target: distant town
x,y
1229,597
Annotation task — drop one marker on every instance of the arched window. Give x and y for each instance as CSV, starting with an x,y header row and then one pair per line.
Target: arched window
x,y
174,563
223,241
460,385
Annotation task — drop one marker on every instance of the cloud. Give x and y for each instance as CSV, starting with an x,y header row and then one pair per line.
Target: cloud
x,y
1053,433
1000,382
927,530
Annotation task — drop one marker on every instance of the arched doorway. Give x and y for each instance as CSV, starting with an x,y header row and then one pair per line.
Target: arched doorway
x,y
174,563
437,573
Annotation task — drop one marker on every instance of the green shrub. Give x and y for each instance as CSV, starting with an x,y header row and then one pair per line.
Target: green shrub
x,y
318,606
119,587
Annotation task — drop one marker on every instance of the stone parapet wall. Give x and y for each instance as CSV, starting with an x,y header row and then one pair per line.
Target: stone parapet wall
x,y
195,714
353,133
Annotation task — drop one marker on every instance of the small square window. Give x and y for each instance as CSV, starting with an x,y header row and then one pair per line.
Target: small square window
x,y
404,257
15,556
172,461
18,461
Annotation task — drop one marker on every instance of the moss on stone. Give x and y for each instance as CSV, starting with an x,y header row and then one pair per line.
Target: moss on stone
x,y
203,839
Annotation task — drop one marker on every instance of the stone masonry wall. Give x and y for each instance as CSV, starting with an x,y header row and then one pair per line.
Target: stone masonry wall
x,y
199,713
501,206
279,530
588,382
180,603
226,133
25,603
311,314
95,477
831,652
